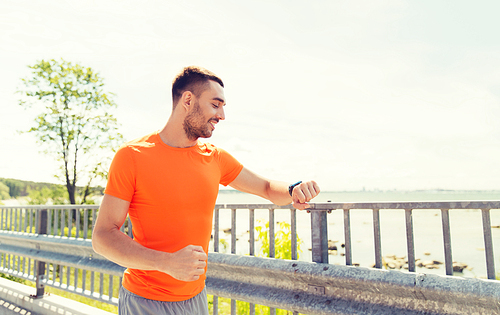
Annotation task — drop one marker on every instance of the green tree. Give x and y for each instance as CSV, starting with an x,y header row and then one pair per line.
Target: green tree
x,y
4,191
75,123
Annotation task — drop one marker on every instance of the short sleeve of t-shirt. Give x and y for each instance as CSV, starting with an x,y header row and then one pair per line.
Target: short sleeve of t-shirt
x,y
230,167
121,176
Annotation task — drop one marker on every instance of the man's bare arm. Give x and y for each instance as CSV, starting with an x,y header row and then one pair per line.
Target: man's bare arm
x,y
276,191
187,264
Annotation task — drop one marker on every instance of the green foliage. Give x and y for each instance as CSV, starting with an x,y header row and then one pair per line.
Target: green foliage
x,y
22,188
224,244
282,240
4,191
75,123
283,250
12,278
241,307
56,196
15,187
73,231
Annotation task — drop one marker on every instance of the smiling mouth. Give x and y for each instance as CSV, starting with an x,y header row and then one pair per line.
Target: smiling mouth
x,y
213,122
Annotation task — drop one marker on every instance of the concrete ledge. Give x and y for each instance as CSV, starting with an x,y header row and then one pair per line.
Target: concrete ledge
x,y
19,295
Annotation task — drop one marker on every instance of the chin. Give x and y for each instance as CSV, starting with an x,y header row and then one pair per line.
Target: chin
x,y
206,135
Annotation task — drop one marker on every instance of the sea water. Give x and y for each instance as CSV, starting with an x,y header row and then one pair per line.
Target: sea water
x,y
466,228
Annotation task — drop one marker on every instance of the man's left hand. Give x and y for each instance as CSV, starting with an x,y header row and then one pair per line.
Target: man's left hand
x,y
303,193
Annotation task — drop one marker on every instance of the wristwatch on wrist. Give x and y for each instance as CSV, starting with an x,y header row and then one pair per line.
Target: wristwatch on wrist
x,y
292,186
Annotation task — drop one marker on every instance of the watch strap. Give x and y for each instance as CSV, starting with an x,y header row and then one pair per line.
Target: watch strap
x,y
292,186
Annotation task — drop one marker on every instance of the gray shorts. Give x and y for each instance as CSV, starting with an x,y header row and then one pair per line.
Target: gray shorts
x,y
133,304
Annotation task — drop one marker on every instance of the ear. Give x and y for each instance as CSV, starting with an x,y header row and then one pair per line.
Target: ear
x,y
187,100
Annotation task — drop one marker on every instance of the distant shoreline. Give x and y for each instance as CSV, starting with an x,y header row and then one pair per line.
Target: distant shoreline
x,y
430,191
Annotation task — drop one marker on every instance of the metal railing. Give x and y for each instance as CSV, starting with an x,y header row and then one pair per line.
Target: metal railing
x,y
51,245
319,236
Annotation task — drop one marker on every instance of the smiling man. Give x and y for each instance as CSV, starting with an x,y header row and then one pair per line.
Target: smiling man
x,y
167,182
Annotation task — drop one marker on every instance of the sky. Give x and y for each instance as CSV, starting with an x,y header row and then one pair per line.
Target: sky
x,y
355,95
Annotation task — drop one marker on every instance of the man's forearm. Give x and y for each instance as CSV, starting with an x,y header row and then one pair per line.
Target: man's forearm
x,y
121,249
277,192
186,264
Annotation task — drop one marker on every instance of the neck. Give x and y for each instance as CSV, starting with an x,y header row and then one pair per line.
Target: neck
x,y
173,134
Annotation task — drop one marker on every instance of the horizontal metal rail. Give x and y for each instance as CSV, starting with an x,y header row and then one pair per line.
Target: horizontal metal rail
x,y
51,245
66,251
55,252
312,288
408,205
294,285
319,231
495,204
319,226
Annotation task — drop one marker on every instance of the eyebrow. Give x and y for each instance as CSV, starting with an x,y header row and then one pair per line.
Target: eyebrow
x,y
219,99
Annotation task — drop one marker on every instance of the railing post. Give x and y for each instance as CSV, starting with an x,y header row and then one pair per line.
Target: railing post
x,y
410,243
41,228
448,261
319,237
488,244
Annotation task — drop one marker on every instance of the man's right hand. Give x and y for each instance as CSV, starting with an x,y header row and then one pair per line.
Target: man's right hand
x,y
186,264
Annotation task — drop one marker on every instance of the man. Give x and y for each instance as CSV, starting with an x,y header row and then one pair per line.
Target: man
x,y
167,182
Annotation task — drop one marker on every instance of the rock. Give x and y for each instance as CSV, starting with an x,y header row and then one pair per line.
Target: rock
x,y
459,267
331,245
393,261
429,264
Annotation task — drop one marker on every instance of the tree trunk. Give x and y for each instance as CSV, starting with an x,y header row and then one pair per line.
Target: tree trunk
x,y
71,193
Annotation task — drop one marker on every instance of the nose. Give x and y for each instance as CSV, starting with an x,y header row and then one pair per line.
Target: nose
x,y
220,113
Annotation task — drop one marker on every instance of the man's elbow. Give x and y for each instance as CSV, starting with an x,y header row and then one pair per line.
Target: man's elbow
x,y
97,242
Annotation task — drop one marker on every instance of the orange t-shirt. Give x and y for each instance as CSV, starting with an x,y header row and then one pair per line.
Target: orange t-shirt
x,y
172,194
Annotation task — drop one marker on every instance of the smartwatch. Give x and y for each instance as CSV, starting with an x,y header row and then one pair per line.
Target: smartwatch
x,y
292,186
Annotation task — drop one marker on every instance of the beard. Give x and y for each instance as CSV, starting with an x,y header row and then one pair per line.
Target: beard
x,y
195,125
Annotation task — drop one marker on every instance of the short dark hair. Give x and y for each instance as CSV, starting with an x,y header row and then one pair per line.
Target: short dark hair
x,y
194,79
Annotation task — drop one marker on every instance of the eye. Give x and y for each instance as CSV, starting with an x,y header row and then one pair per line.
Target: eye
x,y
215,105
